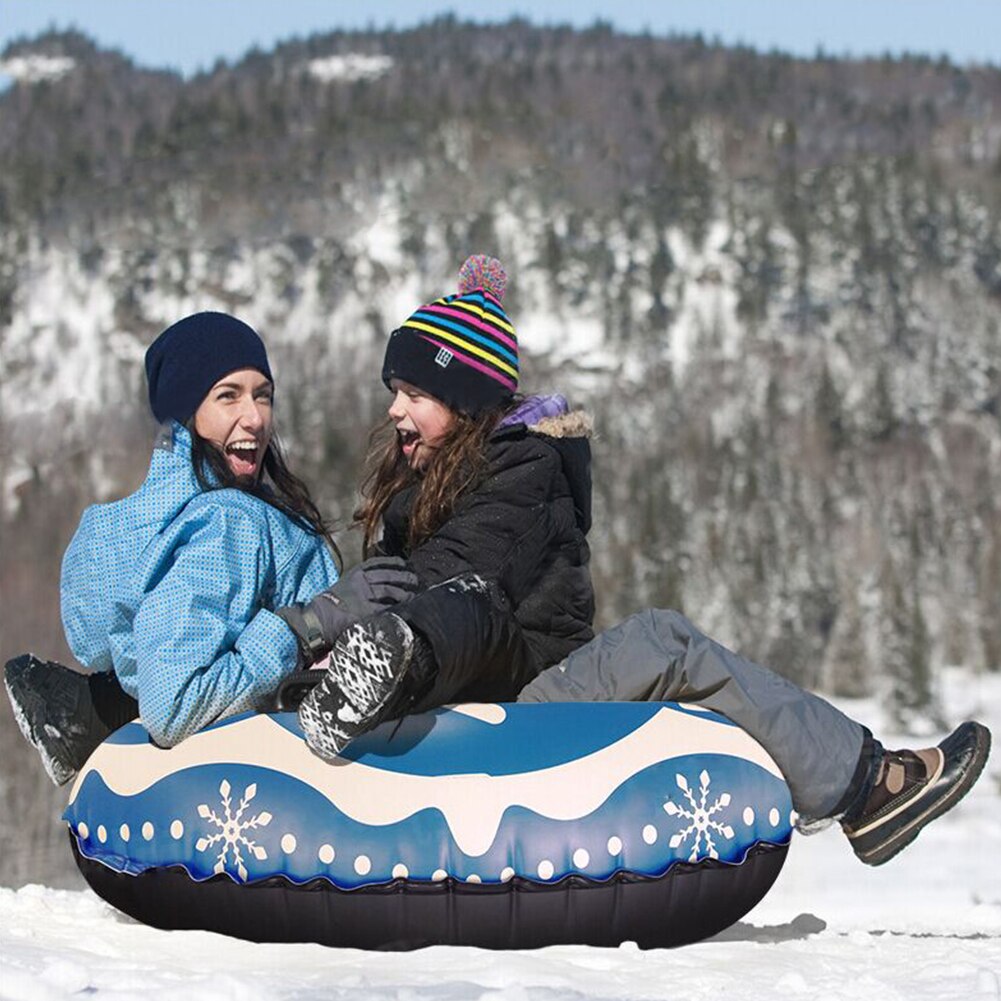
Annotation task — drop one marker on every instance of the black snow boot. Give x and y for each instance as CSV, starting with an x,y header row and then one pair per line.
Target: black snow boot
x,y
63,713
373,667
912,788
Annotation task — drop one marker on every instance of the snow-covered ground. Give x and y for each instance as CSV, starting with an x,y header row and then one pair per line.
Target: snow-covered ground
x,y
925,926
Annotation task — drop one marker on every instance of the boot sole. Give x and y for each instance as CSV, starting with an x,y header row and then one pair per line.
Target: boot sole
x,y
20,699
356,689
885,849
372,664
26,705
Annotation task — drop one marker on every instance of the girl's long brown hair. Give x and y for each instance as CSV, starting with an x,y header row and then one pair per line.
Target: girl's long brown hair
x,y
277,485
457,465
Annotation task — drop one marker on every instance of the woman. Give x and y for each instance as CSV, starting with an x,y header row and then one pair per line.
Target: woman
x,y
180,588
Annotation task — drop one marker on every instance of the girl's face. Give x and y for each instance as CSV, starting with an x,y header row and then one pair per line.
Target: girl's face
x,y
421,422
236,418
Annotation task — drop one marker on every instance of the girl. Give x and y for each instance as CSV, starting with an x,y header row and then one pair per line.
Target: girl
x,y
178,589
488,498
468,484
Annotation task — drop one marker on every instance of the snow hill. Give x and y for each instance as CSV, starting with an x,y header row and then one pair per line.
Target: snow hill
x,y
925,927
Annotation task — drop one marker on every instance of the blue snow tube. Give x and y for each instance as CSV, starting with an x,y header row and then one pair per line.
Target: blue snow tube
x,y
503,826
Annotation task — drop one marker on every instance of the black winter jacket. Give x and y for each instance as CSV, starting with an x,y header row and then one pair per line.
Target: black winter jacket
x,y
524,530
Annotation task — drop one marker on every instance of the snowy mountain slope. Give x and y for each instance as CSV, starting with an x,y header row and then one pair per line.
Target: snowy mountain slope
x,y
775,280
842,463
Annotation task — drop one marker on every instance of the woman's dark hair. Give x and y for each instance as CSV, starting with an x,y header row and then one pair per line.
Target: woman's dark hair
x,y
277,485
457,465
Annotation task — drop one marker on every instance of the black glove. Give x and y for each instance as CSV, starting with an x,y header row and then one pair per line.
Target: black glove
x,y
369,588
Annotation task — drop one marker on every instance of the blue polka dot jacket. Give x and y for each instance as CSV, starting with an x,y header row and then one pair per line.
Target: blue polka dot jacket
x,y
173,588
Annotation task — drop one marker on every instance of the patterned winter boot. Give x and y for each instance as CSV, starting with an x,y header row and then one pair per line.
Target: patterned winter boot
x,y
912,788
364,683
65,714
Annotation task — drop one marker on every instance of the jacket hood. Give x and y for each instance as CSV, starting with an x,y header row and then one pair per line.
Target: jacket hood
x,y
569,433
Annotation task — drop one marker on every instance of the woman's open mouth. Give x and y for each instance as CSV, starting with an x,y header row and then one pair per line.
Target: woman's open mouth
x,y
243,457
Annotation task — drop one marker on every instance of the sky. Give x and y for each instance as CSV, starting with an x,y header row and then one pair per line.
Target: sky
x,y
189,35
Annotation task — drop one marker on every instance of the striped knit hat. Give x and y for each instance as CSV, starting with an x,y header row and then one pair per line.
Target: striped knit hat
x,y
460,349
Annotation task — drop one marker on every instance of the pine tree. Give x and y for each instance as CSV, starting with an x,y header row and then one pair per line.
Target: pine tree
x,y
829,412
883,421
906,657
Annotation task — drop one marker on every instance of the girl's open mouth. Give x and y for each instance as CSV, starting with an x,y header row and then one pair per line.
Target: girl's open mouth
x,y
409,440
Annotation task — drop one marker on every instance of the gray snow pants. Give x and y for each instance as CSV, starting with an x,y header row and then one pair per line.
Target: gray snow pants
x,y
658,656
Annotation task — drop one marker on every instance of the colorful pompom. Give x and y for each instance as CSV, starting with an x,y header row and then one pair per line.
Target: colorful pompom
x,y
483,272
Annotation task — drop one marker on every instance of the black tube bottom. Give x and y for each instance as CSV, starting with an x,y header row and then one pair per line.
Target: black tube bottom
x,y
691,902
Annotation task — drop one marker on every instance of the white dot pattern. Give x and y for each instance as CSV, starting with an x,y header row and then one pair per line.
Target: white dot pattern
x,y
82,829
363,865
581,858
177,830
102,833
327,854
288,843
124,832
507,874
546,869
649,834
748,816
147,831
614,845
400,871
438,875
773,817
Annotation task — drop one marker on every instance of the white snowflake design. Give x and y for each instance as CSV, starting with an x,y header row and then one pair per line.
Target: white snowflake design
x,y
231,830
702,824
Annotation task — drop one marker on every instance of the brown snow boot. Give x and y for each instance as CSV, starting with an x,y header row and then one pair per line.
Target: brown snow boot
x,y
912,788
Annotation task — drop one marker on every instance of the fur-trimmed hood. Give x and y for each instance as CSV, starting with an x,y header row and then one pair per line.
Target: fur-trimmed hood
x,y
575,424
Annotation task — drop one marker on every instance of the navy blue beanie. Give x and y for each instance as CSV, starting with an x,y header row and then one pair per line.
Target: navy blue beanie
x,y
191,356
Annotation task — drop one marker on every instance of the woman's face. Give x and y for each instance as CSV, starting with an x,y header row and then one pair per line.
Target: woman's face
x,y
236,417
421,422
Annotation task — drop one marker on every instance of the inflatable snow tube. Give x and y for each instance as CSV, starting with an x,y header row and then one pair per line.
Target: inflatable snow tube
x,y
501,826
